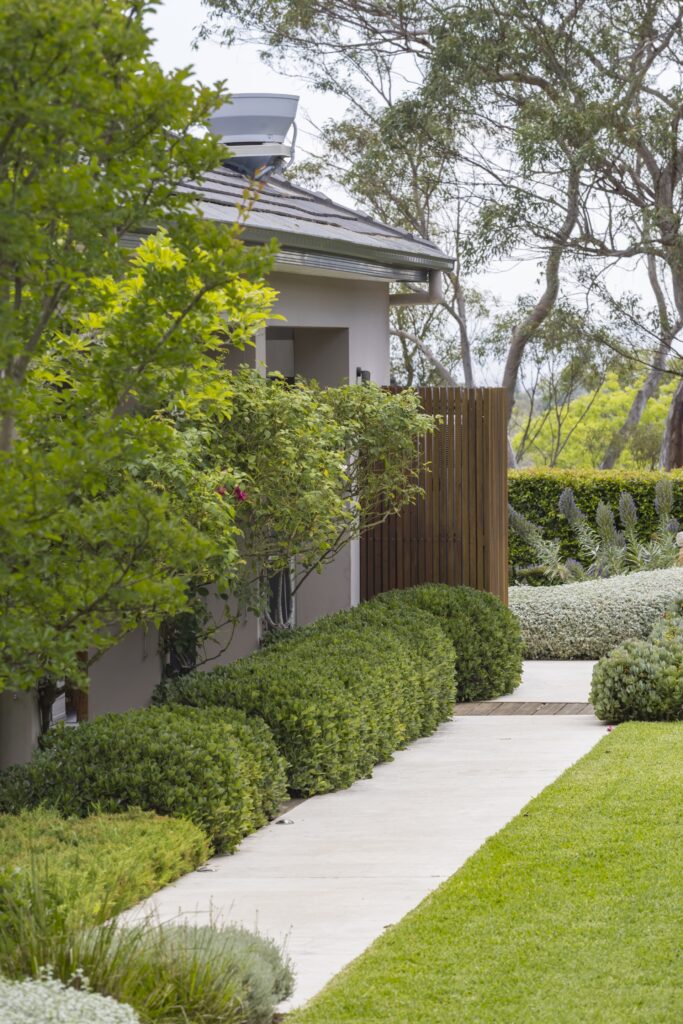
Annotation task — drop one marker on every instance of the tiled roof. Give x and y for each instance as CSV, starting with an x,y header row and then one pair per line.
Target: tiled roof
x,y
310,222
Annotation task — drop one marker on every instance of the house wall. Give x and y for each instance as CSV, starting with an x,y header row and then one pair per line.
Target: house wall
x,y
126,674
19,727
315,309
361,307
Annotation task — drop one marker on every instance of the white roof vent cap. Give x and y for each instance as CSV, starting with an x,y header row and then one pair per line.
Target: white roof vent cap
x,y
253,126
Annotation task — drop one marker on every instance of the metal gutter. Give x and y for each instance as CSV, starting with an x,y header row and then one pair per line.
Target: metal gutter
x,y
323,263
375,254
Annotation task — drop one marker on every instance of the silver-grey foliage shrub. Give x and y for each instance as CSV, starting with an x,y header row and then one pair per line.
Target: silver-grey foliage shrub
x,y
48,1001
589,619
641,680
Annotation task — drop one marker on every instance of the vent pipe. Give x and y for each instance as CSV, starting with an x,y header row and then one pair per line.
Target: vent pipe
x,y
253,127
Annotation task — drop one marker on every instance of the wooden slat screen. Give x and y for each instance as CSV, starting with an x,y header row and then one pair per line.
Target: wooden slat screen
x,y
457,532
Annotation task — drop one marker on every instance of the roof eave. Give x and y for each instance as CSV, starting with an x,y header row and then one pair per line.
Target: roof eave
x,y
380,255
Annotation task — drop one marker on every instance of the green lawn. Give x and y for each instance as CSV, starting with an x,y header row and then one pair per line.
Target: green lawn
x,y
572,914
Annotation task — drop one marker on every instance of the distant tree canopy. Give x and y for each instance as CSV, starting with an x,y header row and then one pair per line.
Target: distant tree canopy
x,y
579,438
508,129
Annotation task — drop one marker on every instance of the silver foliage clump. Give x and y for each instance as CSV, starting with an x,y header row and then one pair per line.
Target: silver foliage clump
x,y
605,548
588,619
48,1001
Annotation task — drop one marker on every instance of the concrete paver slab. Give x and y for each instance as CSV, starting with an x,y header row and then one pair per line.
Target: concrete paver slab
x,y
356,861
554,681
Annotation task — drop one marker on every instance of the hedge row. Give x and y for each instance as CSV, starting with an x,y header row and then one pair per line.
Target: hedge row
x,y
341,695
324,704
536,493
589,619
102,861
220,770
486,636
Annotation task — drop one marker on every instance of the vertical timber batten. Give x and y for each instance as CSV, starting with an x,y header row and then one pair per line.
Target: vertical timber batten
x,y
457,533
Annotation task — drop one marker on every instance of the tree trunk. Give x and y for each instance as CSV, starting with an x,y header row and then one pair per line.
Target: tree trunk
x,y
525,331
645,393
672,446
427,352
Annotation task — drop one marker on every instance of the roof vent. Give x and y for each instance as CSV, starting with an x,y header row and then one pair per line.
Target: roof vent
x,y
253,126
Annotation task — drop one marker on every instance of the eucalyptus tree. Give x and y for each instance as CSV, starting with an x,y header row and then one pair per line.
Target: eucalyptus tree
x,y
569,112
604,83
452,172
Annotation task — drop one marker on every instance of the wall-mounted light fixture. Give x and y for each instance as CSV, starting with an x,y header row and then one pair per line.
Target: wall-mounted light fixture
x,y
362,376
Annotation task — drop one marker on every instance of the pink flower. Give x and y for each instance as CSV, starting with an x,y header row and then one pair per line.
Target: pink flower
x,y
239,493
221,490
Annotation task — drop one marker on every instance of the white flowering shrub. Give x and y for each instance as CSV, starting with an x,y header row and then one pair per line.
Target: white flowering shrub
x,y
48,1001
589,619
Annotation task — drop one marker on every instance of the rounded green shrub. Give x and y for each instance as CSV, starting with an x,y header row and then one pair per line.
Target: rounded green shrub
x,y
218,975
217,768
641,680
340,695
485,634
589,619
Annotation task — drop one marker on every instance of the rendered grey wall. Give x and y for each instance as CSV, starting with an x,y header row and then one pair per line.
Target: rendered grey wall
x,y
19,727
338,325
126,674
361,307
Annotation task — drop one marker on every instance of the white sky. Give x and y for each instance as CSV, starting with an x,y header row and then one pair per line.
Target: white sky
x,y
174,27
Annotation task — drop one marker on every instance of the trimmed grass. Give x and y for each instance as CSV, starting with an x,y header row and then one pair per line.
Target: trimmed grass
x,y
90,865
572,913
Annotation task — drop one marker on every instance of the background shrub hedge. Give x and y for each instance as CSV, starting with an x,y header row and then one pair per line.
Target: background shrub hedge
x,y
589,619
486,635
536,493
219,769
641,680
340,695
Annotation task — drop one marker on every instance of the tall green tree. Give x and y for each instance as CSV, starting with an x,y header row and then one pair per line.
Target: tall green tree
x,y
107,509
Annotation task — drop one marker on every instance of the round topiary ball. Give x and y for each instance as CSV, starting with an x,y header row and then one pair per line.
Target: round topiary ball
x,y
486,635
640,681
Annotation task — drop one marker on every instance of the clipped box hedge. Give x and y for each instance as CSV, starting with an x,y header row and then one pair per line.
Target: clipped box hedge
x,y
485,634
536,493
340,695
220,769
102,861
589,619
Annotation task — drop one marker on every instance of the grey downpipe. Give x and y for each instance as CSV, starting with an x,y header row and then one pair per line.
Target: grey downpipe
x,y
431,297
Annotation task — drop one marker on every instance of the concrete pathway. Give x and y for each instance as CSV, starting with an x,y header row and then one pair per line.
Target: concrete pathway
x,y
554,681
353,862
